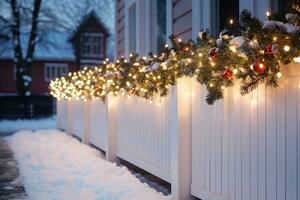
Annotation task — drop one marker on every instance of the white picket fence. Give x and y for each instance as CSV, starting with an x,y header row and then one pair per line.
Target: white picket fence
x,y
240,148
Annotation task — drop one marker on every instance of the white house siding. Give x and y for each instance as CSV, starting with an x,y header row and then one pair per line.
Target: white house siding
x,y
120,28
182,18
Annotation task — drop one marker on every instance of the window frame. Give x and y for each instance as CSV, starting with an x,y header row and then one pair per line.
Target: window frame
x,y
53,67
132,26
92,45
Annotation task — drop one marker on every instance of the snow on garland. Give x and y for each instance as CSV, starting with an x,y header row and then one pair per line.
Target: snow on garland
x,y
251,52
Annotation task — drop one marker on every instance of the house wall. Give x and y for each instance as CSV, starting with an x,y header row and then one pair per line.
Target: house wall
x,y
7,82
90,25
120,28
182,18
37,72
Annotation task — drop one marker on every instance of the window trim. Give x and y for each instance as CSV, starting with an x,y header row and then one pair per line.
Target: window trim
x,y
55,66
101,44
128,5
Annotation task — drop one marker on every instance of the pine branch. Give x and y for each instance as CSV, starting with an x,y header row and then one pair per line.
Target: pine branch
x,y
248,86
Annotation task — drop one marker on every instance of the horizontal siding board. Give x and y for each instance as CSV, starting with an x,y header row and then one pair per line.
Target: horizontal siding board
x,y
182,24
120,27
181,7
185,35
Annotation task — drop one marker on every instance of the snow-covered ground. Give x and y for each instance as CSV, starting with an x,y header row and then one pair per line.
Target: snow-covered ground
x,y
54,165
11,126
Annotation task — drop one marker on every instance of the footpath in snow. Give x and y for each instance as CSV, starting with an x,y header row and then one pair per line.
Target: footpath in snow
x,y
54,166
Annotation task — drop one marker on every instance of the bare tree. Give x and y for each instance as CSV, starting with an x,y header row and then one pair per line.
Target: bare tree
x,y
22,62
32,19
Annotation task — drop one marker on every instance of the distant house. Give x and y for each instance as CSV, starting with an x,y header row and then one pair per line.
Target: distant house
x,y
57,54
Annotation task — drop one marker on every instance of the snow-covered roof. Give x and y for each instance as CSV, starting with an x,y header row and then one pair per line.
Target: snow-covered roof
x,y
92,13
53,45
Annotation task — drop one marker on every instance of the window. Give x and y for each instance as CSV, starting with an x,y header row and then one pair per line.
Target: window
x,y
92,44
55,70
221,12
281,6
161,17
132,28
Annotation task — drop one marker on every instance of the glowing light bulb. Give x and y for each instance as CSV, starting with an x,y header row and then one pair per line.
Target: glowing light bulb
x,y
296,59
278,74
231,21
235,71
268,13
261,65
286,48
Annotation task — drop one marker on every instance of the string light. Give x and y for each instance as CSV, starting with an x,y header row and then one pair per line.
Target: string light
x,y
235,71
278,74
296,59
286,48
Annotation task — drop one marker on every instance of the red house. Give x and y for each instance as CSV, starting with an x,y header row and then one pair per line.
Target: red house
x,y
57,54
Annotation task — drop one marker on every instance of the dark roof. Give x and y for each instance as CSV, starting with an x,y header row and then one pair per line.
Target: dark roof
x,y
84,20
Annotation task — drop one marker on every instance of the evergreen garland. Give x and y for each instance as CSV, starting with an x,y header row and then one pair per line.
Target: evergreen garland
x,y
251,52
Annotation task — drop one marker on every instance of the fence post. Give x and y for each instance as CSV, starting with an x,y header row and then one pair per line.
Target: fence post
x,y
181,140
86,121
58,113
69,109
111,112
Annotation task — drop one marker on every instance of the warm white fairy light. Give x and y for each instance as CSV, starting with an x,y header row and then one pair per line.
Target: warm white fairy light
x,y
235,71
278,74
286,48
296,59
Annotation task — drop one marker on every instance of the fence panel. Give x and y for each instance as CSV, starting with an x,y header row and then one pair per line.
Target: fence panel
x,y
98,124
143,133
62,115
75,118
248,147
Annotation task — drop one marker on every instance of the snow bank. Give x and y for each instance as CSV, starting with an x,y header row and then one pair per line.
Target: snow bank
x,y
54,165
11,126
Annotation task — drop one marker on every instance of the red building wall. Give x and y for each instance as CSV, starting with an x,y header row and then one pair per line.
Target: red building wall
x,y
38,85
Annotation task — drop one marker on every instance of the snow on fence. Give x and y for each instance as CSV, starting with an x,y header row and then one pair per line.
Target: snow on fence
x,y
240,148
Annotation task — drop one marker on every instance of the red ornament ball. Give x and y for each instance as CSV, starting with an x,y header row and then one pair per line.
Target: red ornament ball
x,y
214,53
227,74
184,49
259,67
269,50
